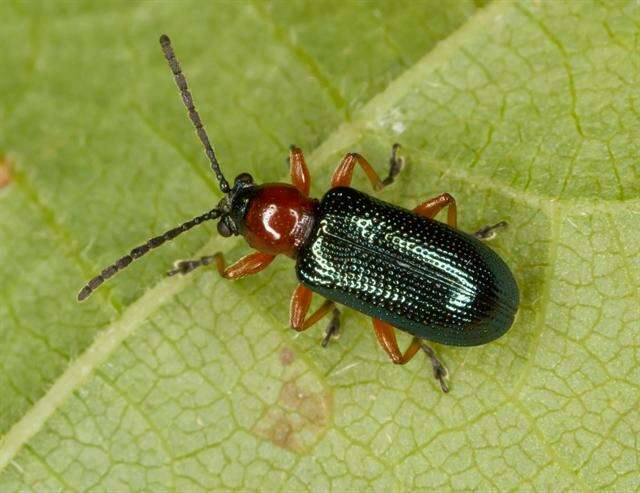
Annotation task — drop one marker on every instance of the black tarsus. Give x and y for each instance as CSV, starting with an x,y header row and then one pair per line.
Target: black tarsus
x,y
141,250
181,82
156,241
185,266
395,165
440,371
333,329
489,232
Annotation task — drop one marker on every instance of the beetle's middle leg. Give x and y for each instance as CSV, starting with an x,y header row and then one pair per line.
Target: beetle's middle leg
x,y
344,172
387,338
300,303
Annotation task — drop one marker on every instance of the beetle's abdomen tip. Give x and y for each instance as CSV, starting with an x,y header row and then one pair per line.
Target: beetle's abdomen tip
x,y
414,273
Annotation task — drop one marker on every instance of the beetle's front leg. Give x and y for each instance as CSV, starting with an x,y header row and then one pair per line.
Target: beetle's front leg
x,y
300,303
250,264
344,172
300,177
185,266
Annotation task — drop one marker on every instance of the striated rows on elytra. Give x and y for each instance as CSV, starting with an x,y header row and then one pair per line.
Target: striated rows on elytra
x,y
464,452
395,415
132,144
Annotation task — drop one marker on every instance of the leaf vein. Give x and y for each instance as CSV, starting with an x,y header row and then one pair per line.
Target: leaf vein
x,y
64,239
305,58
552,258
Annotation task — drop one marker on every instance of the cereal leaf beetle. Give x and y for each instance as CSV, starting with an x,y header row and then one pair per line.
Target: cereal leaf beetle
x,y
403,268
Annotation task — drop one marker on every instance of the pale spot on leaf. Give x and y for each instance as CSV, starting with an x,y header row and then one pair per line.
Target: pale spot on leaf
x,y
525,112
298,418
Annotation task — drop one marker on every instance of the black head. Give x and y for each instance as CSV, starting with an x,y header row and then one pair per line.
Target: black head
x,y
230,210
234,205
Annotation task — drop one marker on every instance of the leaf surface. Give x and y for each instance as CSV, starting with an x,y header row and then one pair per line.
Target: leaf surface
x,y
526,112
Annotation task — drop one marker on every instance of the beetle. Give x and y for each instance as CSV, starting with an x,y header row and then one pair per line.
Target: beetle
x,y
401,267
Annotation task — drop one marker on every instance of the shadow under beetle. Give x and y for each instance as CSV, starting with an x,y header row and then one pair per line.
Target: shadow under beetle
x,y
402,268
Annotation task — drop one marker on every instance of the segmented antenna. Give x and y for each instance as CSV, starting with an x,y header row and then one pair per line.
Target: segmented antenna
x,y
139,251
181,82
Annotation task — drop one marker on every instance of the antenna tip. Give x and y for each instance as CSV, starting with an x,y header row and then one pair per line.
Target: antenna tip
x,y
164,40
84,293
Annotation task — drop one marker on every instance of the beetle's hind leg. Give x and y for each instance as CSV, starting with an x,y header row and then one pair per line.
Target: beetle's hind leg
x,y
489,232
440,371
386,335
387,338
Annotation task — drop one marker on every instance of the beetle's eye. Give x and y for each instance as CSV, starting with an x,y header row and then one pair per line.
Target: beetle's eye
x,y
244,178
223,228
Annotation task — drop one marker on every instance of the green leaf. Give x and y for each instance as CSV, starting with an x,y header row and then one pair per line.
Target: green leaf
x,y
527,112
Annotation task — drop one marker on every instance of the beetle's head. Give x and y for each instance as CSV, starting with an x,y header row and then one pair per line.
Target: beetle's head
x,y
233,206
229,211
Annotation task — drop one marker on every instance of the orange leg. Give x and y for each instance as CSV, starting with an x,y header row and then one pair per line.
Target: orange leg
x,y
387,338
246,266
299,173
432,206
344,172
250,264
300,303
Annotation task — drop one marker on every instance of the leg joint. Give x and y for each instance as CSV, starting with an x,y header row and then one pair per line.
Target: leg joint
x,y
447,197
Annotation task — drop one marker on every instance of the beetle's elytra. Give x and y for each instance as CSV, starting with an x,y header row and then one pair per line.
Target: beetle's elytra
x,y
403,268
410,271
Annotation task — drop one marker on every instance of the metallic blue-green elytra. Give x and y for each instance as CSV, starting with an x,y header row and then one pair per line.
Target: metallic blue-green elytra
x,y
415,273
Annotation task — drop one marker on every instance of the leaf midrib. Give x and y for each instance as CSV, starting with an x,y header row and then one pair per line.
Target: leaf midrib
x,y
108,340
111,338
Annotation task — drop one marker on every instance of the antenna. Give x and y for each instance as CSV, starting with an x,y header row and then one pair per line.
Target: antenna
x,y
141,250
181,82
